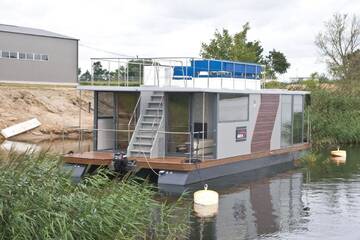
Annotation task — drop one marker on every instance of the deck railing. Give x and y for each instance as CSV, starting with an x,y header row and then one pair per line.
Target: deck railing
x,y
173,72
188,145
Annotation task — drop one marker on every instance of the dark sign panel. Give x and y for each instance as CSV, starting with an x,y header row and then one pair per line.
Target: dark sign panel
x,y
240,134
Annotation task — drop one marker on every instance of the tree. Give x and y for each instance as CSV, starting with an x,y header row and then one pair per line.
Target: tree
x,y
276,62
86,76
339,40
99,72
236,47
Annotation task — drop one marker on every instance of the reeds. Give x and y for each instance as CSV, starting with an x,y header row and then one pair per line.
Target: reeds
x,y
39,201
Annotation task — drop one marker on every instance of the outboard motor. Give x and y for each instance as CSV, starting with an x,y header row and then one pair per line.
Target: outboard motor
x,y
120,162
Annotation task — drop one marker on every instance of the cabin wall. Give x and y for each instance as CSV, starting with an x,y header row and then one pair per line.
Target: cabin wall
x,y
227,146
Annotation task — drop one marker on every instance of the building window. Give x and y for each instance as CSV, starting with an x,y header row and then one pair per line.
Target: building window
x,y
22,55
37,56
297,119
5,54
13,55
44,57
233,107
30,56
286,120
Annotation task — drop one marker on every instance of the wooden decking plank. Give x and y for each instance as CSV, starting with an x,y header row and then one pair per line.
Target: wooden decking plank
x,y
172,163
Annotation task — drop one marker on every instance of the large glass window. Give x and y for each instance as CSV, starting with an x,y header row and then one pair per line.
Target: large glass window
x,y
30,56
5,54
22,55
233,107
297,119
13,55
125,106
178,123
105,104
286,120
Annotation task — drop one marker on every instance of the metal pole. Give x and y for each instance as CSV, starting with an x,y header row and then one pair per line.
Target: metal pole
x,y
208,84
203,125
118,72
92,72
80,121
109,75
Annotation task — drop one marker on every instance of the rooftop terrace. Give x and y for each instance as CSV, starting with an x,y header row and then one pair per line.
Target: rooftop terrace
x,y
174,72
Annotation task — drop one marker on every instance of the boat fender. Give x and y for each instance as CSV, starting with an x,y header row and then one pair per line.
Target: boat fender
x,y
206,202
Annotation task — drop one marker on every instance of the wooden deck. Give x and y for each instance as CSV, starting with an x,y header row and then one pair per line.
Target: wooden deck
x,y
172,163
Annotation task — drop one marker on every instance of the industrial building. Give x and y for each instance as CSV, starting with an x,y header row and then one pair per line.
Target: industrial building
x,y
29,55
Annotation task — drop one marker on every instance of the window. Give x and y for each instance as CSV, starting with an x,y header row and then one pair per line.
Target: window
x,y
37,56
13,55
286,120
297,119
105,104
44,57
30,56
233,107
22,55
5,54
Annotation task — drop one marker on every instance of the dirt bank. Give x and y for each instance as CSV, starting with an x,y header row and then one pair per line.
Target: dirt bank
x,y
57,108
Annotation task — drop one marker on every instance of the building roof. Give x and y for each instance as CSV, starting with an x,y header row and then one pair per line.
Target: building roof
x,y
31,31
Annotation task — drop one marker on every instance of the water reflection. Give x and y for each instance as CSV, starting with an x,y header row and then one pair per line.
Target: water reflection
x,y
257,208
319,201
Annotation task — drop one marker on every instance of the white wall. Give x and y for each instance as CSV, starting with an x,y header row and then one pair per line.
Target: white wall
x,y
226,142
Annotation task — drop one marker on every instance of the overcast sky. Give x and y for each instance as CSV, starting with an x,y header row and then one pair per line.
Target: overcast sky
x,y
177,27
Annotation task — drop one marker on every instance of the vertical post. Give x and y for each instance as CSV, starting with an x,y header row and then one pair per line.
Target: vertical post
x,y
92,72
208,84
140,66
233,75
118,71
127,73
80,136
109,75
203,126
194,74
245,74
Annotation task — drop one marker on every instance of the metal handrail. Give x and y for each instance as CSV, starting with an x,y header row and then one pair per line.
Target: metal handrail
x,y
132,116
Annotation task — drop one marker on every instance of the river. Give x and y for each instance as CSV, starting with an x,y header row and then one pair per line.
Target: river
x,y
321,200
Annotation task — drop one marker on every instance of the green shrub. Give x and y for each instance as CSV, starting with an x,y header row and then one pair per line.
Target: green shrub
x,y
335,117
39,201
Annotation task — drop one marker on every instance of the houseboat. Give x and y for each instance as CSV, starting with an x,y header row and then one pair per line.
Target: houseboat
x,y
188,120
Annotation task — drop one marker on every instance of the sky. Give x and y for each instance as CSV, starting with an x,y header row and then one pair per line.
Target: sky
x,y
160,28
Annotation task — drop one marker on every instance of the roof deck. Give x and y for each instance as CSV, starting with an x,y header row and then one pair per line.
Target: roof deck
x,y
188,73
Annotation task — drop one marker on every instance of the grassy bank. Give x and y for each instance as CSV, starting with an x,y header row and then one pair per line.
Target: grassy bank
x,y
39,201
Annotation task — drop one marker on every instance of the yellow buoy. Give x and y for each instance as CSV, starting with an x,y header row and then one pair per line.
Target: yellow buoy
x,y
338,153
206,202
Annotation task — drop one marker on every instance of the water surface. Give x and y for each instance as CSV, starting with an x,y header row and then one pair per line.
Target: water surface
x,y
320,201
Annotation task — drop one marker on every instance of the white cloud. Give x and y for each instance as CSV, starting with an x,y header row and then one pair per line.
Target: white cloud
x,y
177,27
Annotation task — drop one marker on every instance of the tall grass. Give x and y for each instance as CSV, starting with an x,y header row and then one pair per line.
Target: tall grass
x,y
335,117
39,201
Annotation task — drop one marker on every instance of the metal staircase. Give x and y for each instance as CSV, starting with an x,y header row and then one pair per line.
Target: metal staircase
x,y
146,130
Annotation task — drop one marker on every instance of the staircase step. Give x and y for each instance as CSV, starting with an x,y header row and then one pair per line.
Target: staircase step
x,y
140,151
145,137
152,116
142,144
150,123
